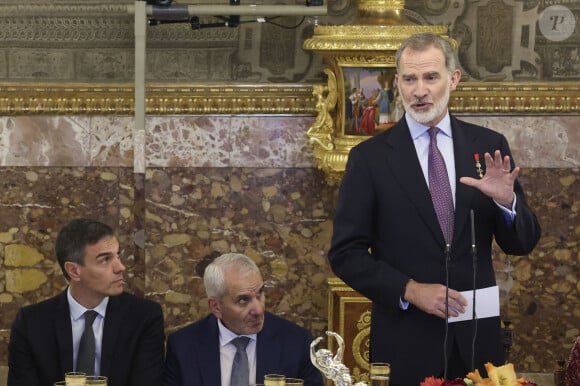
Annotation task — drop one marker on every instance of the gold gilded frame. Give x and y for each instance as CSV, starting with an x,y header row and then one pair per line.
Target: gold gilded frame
x,y
349,315
160,99
292,99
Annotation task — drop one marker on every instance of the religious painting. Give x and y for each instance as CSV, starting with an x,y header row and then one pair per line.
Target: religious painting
x,y
371,103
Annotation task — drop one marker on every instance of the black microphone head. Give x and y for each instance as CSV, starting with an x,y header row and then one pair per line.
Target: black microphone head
x,y
164,3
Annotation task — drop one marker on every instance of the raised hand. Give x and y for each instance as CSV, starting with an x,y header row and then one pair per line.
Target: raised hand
x,y
498,181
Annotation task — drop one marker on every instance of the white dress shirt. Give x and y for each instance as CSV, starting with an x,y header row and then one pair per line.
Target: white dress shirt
x,y
77,320
228,351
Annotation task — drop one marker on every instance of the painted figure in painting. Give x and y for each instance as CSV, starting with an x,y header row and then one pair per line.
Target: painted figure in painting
x,y
367,122
385,99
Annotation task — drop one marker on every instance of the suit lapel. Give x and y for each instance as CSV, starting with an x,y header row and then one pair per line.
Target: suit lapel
x,y
209,355
113,320
268,350
63,328
404,165
464,147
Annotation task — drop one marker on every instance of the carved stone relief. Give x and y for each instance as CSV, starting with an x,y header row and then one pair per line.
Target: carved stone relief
x,y
500,40
94,42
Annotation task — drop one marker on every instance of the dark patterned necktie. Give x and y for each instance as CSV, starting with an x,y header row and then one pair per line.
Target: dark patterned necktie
x,y
240,368
86,357
440,188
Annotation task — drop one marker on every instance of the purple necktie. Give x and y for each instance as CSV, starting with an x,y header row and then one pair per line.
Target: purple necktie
x,y
439,187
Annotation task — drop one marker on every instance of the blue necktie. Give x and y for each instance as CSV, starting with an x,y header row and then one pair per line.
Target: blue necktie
x,y
240,368
440,188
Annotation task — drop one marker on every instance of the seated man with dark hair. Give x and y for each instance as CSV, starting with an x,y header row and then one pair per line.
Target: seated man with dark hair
x,y
205,353
124,337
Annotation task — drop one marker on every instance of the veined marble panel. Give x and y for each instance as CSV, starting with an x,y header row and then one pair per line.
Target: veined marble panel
x,y
271,142
173,220
66,141
245,183
35,203
43,141
538,141
245,141
220,141
279,217
112,141
188,141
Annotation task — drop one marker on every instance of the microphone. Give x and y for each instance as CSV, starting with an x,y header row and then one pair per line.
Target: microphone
x,y
447,259
473,314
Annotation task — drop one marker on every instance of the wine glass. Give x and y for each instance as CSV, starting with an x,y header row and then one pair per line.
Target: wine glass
x,y
75,378
294,382
274,380
96,380
380,374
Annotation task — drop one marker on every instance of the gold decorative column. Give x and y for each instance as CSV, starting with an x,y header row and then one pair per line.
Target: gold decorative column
x,y
351,52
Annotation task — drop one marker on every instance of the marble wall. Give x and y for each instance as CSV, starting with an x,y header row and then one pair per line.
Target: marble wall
x,y
214,184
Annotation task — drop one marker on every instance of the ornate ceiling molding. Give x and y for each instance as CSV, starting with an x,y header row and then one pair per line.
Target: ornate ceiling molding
x,y
167,99
50,9
106,99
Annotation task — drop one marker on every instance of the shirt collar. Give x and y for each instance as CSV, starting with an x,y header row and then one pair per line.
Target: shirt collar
x,y
77,310
226,335
418,129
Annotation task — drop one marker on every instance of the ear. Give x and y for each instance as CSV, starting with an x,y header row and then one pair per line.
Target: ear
x,y
455,77
214,307
73,270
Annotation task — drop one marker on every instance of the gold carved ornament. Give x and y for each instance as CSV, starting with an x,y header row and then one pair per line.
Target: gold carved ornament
x,y
361,347
322,130
22,98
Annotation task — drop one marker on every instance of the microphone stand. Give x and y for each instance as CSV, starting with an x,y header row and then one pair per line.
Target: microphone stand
x,y
447,260
473,314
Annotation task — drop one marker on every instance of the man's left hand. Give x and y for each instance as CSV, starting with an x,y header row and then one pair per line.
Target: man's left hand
x,y
498,181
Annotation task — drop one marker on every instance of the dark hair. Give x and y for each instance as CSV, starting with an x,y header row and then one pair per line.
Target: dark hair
x,y
75,236
424,40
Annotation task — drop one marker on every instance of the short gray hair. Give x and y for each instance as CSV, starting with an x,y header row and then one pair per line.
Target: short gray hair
x,y
424,40
214,275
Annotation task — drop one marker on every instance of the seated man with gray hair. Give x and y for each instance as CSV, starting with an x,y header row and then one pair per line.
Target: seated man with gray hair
x,y
238,342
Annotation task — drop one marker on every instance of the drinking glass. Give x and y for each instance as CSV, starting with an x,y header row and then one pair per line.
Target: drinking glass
x,y
96,380
274,380
380,374
75,378
294,382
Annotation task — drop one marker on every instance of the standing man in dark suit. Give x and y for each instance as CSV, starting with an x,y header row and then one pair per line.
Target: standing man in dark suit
x,y
390,244
202,354
128,331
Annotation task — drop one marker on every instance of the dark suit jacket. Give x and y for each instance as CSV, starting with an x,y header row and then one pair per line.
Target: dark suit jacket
x,y
193,356
384,204
41,352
